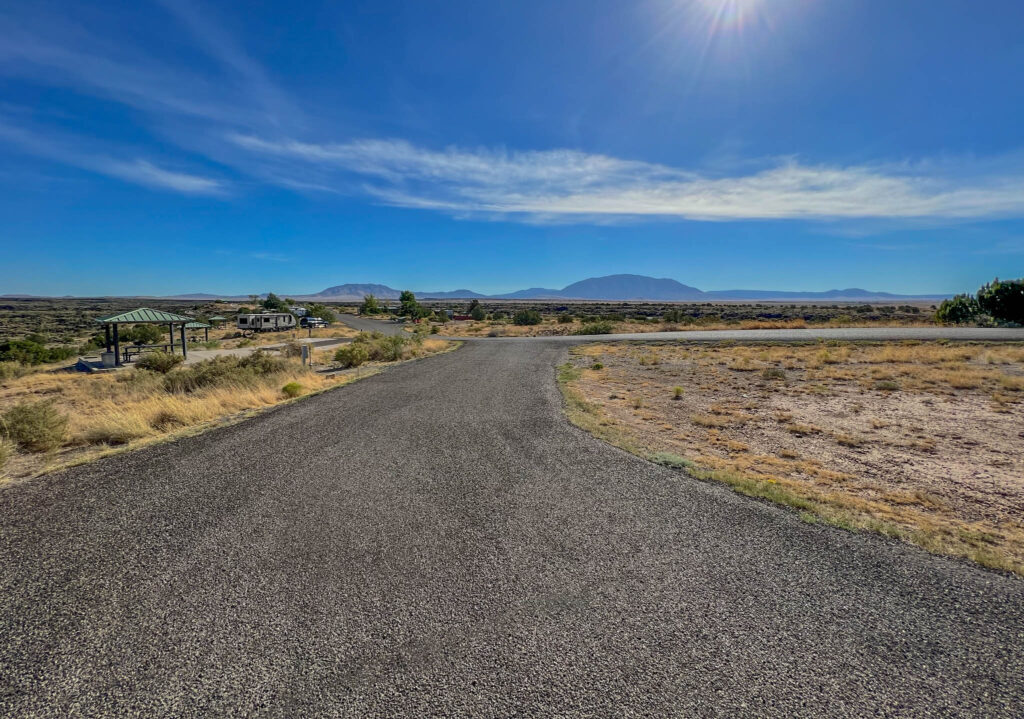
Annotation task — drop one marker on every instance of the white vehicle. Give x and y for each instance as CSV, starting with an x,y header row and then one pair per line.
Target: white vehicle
x,y
266,322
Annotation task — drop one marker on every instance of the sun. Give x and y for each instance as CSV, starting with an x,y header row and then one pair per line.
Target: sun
x,y
731,13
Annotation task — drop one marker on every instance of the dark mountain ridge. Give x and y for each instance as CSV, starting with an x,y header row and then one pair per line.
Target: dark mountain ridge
x,y
608,288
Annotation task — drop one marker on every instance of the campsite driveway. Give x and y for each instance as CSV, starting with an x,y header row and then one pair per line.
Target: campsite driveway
x,y
438,540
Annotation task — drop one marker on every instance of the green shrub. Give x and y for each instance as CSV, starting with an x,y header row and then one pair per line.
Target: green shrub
x,y
597,365
292,349
352,355
886,385
224,370
391,348
37,427
142,334
477,313
959,310
773,373
30,352
527,317
1003,300
368,336
677,392
162,362
601,327
565,319
316,309
292,389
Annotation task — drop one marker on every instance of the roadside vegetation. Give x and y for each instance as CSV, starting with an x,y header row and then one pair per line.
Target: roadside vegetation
x,y
918,441
51,419
998,303
539,319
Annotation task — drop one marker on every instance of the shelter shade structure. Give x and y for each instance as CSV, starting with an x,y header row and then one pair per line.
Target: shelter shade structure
x,y
143,315
199,326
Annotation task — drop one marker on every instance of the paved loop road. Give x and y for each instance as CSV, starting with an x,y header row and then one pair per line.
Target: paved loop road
x,y
437,540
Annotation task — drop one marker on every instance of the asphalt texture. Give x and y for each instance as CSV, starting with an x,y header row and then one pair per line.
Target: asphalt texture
x,y
437,540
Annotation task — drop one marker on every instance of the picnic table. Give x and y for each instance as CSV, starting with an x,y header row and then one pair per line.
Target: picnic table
x,y
133,350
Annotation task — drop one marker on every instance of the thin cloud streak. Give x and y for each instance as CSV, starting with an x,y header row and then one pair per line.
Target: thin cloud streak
x,y
568,184
137,171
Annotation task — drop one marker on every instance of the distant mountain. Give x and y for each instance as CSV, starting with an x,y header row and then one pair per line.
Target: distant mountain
x,y
194,296
452,295
631,287
534,293
356,292
609,288
852,293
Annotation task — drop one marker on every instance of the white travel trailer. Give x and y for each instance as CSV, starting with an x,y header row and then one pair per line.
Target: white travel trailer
x,y
266,322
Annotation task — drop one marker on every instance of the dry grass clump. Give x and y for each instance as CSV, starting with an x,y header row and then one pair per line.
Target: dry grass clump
x,y
7,450
34,426
802,429
709,420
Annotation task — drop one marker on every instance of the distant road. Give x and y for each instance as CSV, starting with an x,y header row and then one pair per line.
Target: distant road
x,y
862,334
437,540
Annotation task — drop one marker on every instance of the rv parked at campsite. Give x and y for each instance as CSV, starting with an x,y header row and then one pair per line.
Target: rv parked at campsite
x,y
266,322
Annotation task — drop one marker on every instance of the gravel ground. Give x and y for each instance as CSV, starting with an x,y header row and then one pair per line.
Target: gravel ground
x,y
438,540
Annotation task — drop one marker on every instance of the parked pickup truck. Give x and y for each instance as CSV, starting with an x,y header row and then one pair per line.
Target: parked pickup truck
x,y
312,322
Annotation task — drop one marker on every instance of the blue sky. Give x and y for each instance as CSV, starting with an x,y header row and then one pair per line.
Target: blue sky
x,y
158,147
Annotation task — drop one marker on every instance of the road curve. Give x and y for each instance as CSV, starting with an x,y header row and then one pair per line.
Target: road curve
x,y
438,540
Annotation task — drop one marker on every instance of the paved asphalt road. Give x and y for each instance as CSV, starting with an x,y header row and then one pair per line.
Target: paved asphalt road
x,y
437,540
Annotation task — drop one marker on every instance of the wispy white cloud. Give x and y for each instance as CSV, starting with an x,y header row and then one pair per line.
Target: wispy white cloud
x,y
146,173
567,184
138,171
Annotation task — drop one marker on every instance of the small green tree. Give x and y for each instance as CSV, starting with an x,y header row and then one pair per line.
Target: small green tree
x,y
275,303
322,311
408,306
527,317
472,306
371,306
477,313
146,334
1004,300
958,310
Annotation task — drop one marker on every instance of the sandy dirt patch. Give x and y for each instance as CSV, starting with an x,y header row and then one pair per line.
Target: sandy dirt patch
x,y
920,441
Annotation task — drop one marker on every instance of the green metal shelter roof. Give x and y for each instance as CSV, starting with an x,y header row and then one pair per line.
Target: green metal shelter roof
x,y
143,314
196,325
